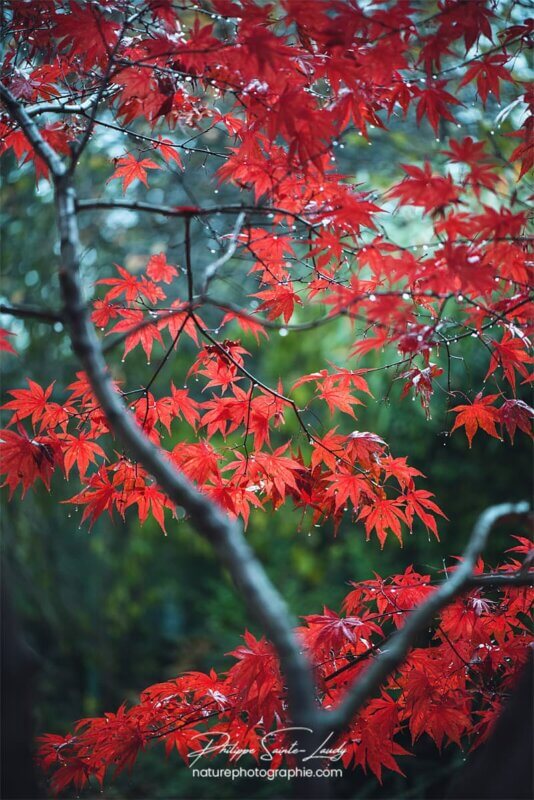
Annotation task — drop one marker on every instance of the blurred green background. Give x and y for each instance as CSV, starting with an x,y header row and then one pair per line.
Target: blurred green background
x,y
111,611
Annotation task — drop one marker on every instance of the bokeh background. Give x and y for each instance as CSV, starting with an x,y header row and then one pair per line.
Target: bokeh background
x,y
110,611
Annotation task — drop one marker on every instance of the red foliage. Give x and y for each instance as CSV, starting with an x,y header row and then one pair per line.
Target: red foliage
x,y
442,691
287,84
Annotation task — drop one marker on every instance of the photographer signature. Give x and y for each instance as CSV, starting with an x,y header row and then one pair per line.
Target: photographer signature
x,y
220,742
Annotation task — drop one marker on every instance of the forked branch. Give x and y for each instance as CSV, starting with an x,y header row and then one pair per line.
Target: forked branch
x,y
225,535
398,646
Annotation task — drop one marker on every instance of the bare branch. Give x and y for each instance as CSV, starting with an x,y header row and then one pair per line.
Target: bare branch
x,y
188,211
502,580
398,646
28,312
211,269
64,107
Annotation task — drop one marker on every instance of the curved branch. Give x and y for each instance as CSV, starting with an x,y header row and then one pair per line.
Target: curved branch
x,y
399,644
224,534
64,106
211,270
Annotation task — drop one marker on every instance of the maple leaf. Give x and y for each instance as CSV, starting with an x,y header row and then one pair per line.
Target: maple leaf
x,y
422,188
26,459
392,597
257,678
103,312
98,495
279,301
336,388
149,500
488,72
328,449
29,402
86,32
524,547
514,414
365,448
433,103
478,414
278,470
347,486
129,169
466,151
524,152
184,405
283,83
400,470
198,460
382,516
418,501
420,380
375,342
370,743
178,320
167,149
137,332
330,632
80,450
127,284
34,403
246,323
509,354
158,270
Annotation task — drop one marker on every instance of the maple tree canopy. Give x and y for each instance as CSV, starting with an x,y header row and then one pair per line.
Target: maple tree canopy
x,y
281,88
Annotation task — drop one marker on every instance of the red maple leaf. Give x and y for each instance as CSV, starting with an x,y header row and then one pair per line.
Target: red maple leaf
x,y
99,495
80,450
382,516
158,270
481,413
514,414
423,188
137,332
279,301
433,103
510,355
129,169
34,403
488,72
26,459
86,32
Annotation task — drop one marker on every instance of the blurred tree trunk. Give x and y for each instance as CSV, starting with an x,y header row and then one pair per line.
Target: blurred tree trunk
x,y
19,666
502,769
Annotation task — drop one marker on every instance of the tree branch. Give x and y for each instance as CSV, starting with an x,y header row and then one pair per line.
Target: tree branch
x,y
188,211
398,646
502,580
211,269
224,534
65,107
32,133
28,312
